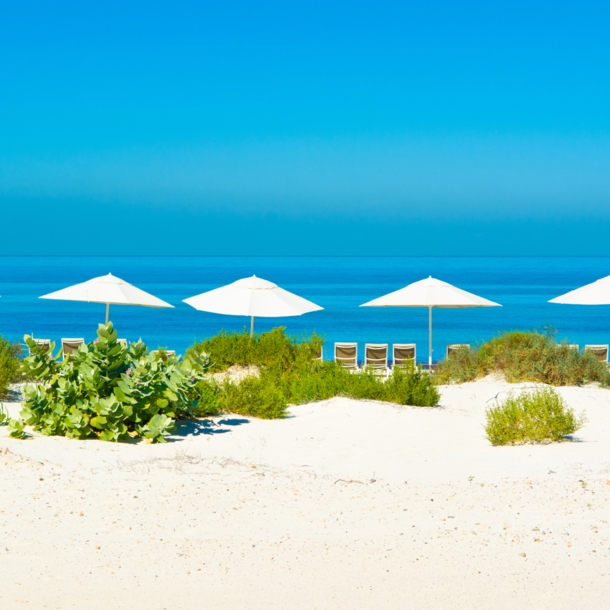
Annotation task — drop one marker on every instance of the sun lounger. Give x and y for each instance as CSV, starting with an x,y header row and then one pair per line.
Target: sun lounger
x,y
69,346
456,347
599,351
165,352
573,346
44,343
346,354
403,354
376,356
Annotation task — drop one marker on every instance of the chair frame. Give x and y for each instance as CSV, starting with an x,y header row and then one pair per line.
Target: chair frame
x,y
594,348
454,347
341,361
70,340
43,343
377,364
403,346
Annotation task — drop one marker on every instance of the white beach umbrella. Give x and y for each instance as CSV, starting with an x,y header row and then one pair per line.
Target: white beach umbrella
x,y
109,290
596,293
253,297
431,293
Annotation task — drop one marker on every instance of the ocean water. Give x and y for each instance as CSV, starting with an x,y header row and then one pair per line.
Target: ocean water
x,y
522,285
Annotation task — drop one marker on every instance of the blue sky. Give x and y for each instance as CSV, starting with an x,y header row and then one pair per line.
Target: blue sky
x,y
317,128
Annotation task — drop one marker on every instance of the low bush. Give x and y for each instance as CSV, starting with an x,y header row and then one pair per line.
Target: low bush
x,y
290,374
274,348
9,364
107,391
524,356
531,417
315,381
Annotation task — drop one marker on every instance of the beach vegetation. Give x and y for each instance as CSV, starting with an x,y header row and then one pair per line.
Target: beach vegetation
x,y
270,349
537,416
524,356
107,390
289,372
9,364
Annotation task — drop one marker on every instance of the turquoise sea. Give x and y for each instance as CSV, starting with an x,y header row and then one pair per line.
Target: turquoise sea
x,y
522,285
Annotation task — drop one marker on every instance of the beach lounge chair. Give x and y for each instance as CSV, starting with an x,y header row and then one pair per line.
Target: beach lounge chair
x,y
44,343
69,346
376,356
320,356
165,352
403,354
455,347
573,346
123,342
346,354
599,351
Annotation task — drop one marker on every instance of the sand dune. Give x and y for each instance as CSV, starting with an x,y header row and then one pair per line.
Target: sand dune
x,y
346,504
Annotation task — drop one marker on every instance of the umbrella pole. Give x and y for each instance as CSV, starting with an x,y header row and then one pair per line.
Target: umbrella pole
x,y
251,326
107,311
429,338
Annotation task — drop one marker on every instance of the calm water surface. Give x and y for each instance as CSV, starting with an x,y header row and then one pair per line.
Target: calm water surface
x,y
522,285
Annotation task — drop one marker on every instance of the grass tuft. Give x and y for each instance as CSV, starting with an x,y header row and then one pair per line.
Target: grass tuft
x,y
524,356
531,417
271,349
291,374
10,364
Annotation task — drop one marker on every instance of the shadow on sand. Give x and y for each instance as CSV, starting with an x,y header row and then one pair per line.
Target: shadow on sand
x,y
196,427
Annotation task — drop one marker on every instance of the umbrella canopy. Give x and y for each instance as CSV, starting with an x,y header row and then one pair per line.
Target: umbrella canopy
x,y
109,290
253,297
596,293
431,293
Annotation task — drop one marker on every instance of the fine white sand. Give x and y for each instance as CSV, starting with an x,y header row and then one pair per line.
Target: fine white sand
x,y
346,504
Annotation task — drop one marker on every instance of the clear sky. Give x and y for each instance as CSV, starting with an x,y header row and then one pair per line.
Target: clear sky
x,y
305,128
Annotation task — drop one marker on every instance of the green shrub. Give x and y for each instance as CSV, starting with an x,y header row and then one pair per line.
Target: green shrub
x,y
107,391
315,381
524,356
290,374
254,397
9,364
209,398
531,417
274,348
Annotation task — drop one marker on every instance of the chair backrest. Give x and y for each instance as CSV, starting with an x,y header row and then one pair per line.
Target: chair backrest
x,y
403,354
320,356
346,354
376,355
165,352
599,351
69,346
456,347
44,343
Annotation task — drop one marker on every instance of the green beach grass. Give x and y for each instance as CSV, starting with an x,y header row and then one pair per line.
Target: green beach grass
x,y
531,417
524,356
289,373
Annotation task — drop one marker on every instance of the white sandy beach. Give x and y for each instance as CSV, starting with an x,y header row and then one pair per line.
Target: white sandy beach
x,y
346,504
